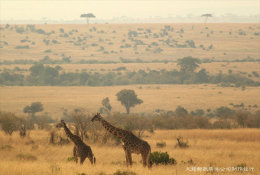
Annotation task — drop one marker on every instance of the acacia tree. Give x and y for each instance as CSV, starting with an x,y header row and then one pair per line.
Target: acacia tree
x,y
33,108
128,98
207,15
87,16
188,64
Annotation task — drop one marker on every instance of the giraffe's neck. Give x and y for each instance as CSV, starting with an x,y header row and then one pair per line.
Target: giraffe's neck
x,y
73,137
113,130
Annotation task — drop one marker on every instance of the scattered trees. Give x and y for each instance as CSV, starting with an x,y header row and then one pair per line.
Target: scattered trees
x,y
128,98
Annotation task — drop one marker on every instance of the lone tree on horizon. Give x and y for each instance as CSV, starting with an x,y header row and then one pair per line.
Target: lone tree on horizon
x,y
87,16
33,108
207,15
128,99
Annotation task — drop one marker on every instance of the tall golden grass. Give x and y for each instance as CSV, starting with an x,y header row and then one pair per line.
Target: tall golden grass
x,y
216,148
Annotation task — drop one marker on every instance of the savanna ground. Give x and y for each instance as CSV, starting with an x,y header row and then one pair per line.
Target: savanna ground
x,y
146,42
165,97
207,148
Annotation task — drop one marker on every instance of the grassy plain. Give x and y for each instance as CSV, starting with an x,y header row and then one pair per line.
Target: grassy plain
x,y
166,97
208,148
107,41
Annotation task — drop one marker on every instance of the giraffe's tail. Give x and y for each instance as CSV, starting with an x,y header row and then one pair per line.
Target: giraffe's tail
x,y
94,160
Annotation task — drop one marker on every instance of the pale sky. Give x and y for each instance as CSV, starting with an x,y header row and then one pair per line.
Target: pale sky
x,y
107,9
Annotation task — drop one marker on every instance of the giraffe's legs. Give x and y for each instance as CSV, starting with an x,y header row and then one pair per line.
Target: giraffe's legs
x,y
145,159
92,159
126,155
75,154
82,159
130,158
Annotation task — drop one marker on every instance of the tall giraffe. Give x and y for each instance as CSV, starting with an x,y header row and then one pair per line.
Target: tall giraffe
x,y
131,143
80,149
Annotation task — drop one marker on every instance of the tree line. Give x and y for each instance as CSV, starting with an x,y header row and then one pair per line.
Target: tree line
x,y
45,75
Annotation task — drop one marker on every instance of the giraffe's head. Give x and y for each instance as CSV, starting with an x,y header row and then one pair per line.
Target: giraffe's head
x,y
96,117
61,124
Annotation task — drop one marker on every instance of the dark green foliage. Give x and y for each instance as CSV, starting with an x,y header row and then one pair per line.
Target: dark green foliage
x,y
9,78
128,98
46,75
20,29
9,122
33,108
224,112
161,158
188,64
180,111
69,159
241,118
22,47
40,31
191,43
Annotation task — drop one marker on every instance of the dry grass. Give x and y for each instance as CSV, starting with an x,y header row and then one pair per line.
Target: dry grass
x,y
166,97
217,148
225,46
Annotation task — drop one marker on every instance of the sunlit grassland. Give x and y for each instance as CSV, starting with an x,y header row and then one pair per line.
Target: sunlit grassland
x,y
165,97
217,148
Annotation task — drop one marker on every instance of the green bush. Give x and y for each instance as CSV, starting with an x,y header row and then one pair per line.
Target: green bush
x,y
69,159
161,158
9,122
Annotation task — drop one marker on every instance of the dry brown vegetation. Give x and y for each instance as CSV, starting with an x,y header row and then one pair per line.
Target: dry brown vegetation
x,y
166,97
208,148
104,41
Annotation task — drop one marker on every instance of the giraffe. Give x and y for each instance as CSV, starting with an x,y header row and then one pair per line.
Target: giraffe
x,y
80,149
130,143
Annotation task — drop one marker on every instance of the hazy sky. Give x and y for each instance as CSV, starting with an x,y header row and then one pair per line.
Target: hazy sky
x,y
106,9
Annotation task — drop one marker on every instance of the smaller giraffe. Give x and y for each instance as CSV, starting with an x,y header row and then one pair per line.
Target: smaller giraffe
x,y
80,149
131,143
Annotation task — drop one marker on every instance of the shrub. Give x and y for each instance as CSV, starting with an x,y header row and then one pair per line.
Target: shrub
x,y
22,47
9,122
118,172
20,30
69,159
6,147
28,157
161,158
40,31
161,144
